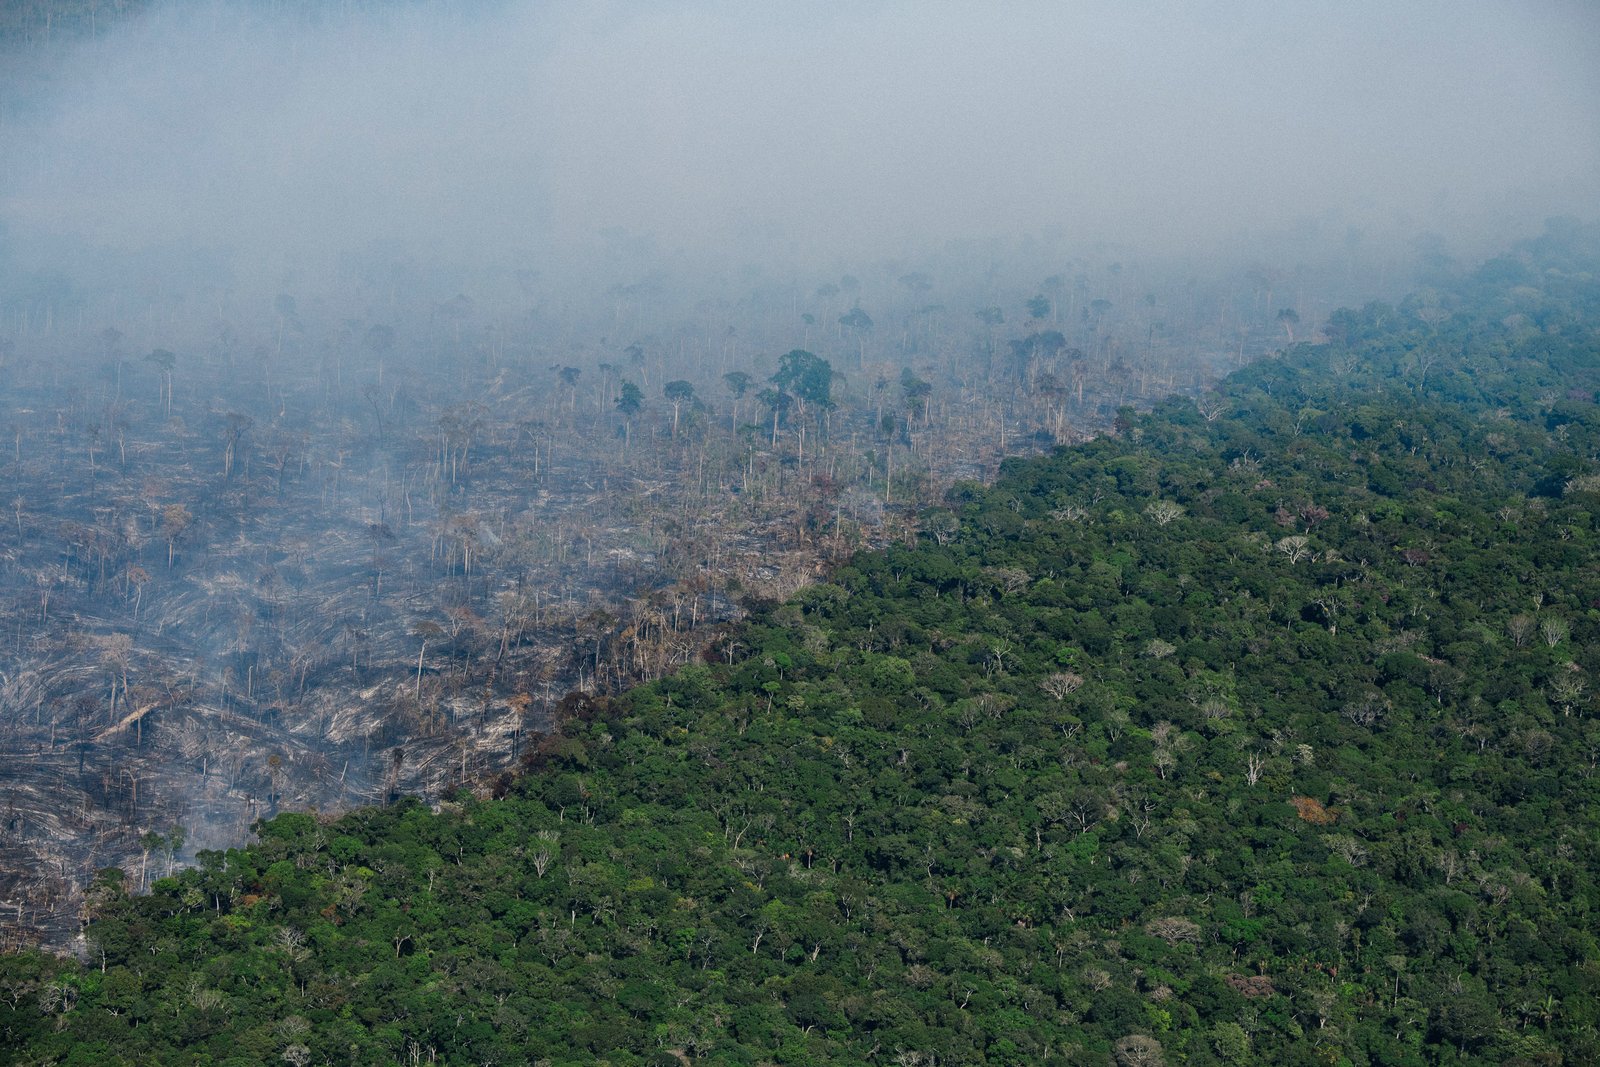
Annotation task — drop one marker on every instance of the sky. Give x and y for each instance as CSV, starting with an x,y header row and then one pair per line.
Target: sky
x,y
256,145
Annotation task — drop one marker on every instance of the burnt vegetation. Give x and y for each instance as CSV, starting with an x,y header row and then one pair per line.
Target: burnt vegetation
x,y
283,555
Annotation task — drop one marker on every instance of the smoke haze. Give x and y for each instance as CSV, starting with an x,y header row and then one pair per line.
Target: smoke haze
x,y
375,373
247,148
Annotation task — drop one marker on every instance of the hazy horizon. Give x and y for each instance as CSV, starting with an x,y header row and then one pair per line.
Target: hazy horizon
x,y
230,145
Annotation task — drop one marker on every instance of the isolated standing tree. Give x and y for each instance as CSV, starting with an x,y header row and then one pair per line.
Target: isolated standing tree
x,y
777,401
806,377
678,393
630,401
918,393
859,323
175,519
569,378
425,629
235,426
1288,318
164,361
738,383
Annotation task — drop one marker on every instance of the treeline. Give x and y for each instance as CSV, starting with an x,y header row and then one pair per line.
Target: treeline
x,y
1263,732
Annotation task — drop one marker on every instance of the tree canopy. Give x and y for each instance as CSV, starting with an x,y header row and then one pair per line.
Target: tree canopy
x,y
806,377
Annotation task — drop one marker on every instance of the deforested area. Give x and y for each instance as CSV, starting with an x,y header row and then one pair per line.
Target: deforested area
x,y
859,533
316,561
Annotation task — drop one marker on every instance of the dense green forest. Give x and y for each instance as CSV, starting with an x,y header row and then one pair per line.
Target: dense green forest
x,y
1262,732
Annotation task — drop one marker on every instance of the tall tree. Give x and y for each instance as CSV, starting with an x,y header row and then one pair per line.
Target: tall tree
x,y
678,393
806,377
630,401
859,323
164,361
738,383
